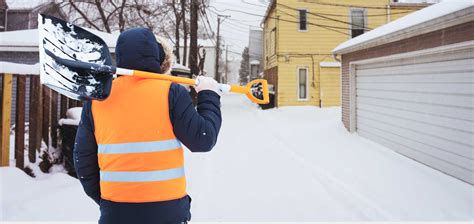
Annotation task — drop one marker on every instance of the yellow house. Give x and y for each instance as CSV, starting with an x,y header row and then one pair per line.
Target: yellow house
x,y
299,36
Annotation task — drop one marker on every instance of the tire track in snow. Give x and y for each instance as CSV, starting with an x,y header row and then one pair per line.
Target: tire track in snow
x,y
324,177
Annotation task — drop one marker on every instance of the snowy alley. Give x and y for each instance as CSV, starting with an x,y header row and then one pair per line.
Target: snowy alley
x,y
306,167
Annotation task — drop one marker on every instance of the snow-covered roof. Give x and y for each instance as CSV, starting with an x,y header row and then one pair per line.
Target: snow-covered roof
x,y
437,16
201,42
27,40
20,69
25,4
180,67
418,1
329,64
255,62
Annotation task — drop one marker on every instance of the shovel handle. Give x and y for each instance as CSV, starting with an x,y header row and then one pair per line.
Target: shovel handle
x,y
223,87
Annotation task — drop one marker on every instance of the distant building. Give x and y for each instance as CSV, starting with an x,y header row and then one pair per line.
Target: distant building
x,y
206,47
23,14
299,37
255,53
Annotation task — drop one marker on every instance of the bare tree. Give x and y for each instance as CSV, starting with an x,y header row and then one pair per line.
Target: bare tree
x,y
202,59
185,30
178,15
110,15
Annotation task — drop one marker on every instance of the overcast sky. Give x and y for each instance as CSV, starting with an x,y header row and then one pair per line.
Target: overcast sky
x,y
235,29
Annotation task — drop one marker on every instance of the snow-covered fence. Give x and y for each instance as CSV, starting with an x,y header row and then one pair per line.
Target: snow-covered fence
x,y
25,100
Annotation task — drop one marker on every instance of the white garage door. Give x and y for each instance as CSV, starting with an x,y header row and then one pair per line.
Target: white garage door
x,y
421,107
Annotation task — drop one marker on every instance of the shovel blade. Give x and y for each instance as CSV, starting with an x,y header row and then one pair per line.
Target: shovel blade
x,y
60,39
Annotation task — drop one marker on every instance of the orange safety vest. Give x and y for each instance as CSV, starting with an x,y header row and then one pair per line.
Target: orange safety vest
x,y
140,158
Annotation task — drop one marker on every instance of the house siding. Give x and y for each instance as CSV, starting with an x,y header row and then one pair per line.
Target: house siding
x,y
271,75
451,35
325,30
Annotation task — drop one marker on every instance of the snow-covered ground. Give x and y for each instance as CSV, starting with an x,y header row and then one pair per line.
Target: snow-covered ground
x,y
287,164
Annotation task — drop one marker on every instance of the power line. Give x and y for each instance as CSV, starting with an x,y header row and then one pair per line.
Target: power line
x,y
368,15
337,31
285,20
321,16
350,6
234,52
237,39
248,3
236,23
205,28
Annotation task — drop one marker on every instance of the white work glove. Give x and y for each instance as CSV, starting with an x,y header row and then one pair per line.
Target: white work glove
x,y
206,83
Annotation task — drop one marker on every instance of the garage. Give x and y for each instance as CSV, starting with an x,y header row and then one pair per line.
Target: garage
x,y
410,87
421,107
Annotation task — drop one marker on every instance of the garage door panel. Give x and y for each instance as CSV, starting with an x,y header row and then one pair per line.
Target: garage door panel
x,y
453,123
425,68
433,144
449,88
444,156
441,165
444,133
432,58
443,111
427,98
422,107
458,77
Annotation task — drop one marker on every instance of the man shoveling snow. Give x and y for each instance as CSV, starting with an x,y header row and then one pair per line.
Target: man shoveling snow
x,y
128,154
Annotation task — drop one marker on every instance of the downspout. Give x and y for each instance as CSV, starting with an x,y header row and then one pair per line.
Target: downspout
x,y
6,19
275,88
388,13
319,80
334,56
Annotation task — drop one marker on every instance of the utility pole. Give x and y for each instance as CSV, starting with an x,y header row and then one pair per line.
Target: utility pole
x,y
226,64
217,75
193,48
218,52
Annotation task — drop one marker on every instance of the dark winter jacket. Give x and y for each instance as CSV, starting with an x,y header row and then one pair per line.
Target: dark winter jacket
x,y
187,126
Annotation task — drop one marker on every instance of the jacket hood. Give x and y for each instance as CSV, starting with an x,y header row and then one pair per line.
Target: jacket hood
x,y
138,49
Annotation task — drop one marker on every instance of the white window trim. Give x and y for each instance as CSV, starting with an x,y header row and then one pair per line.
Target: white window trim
x,y
350,20
307,24
272,46
298,83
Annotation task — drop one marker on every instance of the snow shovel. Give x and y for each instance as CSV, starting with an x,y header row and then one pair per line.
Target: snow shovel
x,y
78,64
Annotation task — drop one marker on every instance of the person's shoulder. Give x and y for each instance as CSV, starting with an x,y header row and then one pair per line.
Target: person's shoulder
x,y
177,88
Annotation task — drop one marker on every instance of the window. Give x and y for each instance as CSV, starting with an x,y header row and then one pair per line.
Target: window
x,y
272,41
266,42
302,83
358,21
303,19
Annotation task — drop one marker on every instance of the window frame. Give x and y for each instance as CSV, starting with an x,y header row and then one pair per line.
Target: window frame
x,y
273,44
298,68
364,12
299,20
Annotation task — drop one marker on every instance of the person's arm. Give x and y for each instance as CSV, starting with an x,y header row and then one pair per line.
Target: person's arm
x,y
196,129
85,155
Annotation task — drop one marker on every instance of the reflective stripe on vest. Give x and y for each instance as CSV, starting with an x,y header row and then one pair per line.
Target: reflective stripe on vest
x,y
140,158
136,147
159,175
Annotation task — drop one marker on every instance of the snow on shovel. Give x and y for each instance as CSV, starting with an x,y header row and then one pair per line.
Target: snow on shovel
x,y
78,64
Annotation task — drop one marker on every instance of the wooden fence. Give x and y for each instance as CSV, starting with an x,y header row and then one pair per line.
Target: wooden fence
x,y
38,105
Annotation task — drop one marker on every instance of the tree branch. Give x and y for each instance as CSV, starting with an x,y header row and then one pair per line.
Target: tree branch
x,y
71,2
102,15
